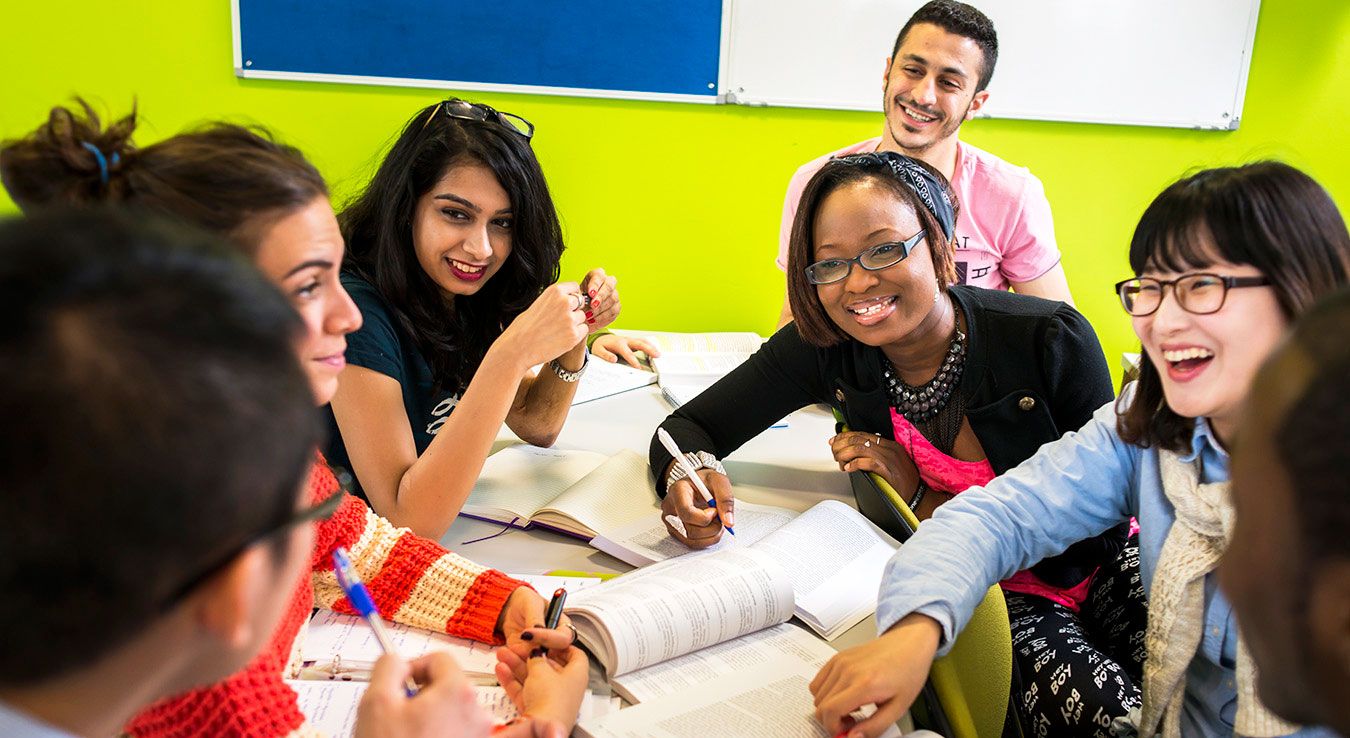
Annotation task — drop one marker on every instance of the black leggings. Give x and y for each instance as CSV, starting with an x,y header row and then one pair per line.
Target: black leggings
x,y
1080,671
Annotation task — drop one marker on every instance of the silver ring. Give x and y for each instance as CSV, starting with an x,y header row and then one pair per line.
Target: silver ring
x,y
575,637
579,303
867,444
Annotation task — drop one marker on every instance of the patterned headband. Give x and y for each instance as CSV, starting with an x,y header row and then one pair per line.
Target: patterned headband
x,y
931,190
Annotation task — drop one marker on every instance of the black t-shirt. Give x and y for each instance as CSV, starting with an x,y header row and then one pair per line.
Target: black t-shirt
x,y
382,346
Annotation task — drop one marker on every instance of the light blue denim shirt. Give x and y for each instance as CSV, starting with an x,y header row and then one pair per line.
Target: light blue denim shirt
x,y
1072,489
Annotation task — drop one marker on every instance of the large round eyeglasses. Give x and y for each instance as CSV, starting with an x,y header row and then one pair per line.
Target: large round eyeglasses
x,y
876,258
1199,294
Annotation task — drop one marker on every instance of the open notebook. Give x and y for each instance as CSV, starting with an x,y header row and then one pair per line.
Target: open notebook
x,y
824,567
331,706
572,492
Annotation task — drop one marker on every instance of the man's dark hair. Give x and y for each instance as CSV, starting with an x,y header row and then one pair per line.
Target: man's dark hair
x,y
156,420
962,20
1312,438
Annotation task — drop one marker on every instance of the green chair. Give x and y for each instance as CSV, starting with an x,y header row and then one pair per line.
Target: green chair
x,y
968,689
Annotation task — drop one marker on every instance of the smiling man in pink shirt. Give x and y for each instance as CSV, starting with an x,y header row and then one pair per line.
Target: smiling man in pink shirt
x,y
934,81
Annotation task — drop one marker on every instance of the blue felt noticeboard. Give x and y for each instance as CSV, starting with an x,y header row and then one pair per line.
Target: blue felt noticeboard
x,y
648,49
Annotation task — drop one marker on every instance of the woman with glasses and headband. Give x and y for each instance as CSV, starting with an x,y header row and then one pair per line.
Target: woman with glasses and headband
x,y
273,206
1224,261
454,253
942,387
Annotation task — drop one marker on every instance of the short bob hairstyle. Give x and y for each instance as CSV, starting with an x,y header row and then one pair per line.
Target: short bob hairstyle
x,y
1266,214
379,232
813,324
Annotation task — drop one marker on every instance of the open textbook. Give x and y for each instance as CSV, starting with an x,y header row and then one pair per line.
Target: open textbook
x,y
769,697
824,567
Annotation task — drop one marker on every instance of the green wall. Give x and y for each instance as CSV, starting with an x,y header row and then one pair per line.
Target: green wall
x,y
682,202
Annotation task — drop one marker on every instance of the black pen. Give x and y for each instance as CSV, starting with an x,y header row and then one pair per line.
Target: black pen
x,y
552,615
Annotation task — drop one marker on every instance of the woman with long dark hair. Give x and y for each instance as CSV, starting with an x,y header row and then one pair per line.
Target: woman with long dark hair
x,y
454,259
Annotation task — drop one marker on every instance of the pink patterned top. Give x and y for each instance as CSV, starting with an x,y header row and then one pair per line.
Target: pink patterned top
x,y
951,475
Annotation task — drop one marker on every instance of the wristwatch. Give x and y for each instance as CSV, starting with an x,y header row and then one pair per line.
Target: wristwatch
x,y
568,376
699,460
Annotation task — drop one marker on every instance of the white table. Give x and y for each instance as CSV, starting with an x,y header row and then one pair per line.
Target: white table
x,y
790,467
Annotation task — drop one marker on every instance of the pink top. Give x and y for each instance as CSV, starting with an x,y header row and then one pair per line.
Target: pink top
x,y
1004,232
947,474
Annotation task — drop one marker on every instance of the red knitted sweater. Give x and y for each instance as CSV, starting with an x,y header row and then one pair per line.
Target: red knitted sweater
x,y
413,581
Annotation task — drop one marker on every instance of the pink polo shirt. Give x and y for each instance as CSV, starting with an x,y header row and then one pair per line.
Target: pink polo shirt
x,y
1004,232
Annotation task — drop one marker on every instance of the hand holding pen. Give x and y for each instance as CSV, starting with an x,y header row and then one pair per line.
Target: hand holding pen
x,y
361,601
691,525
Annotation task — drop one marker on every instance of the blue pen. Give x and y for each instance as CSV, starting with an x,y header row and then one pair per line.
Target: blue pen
x,y
359,596
690,472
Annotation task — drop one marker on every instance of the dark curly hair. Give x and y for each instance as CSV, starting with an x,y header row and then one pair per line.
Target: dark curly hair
x,y
378,228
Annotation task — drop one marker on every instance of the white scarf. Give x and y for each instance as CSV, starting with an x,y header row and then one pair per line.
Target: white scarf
x,y
1176,605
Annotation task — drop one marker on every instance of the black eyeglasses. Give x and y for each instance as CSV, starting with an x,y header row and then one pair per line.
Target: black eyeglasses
x,y
321,511
1198,294
874,259
465,110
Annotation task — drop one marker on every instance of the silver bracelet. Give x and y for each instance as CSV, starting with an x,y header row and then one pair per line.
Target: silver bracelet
x,y
570,376
699,460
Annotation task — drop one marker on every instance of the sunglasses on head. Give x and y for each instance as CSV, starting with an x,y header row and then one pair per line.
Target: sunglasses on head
x,y
465,110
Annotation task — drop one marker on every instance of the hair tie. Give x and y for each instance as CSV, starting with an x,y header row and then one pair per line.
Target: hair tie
x,y
931,191
102,160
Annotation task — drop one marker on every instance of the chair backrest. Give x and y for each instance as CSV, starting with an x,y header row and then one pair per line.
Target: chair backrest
x,y
974,680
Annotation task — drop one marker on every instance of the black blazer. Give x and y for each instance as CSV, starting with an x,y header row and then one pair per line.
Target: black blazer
x,y
1034,371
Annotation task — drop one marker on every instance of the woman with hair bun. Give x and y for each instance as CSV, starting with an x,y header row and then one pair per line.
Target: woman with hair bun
x,y
272,204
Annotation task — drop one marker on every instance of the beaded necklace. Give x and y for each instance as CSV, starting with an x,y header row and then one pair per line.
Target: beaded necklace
x,y
930,407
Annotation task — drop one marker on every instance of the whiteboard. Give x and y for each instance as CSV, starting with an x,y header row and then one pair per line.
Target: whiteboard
x,y
1179,63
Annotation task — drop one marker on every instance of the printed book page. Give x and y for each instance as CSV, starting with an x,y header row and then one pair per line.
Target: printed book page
x,y
646,541
679,606
835,558
732,657
519,480
331,634
771,698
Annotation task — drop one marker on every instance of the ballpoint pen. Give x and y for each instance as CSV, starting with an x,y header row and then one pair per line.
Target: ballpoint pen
x,y
359,597
692,473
